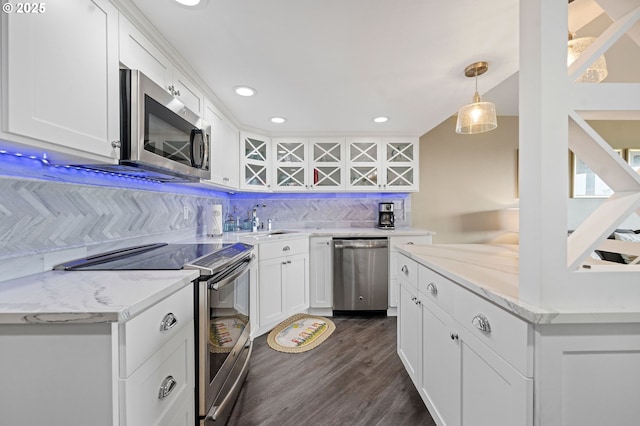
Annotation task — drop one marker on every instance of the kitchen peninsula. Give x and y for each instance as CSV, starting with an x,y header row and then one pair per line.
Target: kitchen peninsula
x,y
460,302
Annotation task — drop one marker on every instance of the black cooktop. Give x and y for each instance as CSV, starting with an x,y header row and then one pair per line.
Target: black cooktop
x,y
160,256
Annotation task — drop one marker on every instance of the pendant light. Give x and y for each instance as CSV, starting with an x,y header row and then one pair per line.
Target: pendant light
x,y
478,116
597,71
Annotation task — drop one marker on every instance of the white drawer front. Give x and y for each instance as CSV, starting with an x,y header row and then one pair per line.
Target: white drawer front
x,y
141,400
409,239
504,333
436,288
147,332
406,270
275,249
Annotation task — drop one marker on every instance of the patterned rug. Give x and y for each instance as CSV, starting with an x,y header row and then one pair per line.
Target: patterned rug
x,y
300,333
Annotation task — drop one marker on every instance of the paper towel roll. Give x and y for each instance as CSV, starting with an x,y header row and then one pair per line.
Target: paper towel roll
x,y
215,220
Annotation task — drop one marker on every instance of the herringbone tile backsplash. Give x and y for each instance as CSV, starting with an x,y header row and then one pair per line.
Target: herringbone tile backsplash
x,y
47,222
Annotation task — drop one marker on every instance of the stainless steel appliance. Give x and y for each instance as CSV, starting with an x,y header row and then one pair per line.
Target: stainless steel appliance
x,y
360,274
221,306
386,217
160,138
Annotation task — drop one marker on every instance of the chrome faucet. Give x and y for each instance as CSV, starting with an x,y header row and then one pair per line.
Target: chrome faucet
x,y
255,222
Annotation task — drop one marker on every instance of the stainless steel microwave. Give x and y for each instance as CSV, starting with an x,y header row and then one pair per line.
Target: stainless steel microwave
x,y
159,136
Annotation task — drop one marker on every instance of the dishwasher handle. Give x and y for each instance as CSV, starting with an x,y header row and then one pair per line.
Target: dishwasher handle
x,y
360,244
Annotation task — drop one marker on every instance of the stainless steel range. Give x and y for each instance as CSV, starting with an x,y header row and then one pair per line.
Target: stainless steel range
x,y
221,306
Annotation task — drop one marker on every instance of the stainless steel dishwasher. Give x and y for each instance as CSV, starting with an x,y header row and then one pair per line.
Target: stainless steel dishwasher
x,y
360,274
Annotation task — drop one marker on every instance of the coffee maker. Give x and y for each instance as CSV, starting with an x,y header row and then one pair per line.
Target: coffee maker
x,y
385,216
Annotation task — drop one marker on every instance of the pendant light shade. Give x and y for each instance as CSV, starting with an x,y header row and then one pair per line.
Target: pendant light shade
x,y
597,71
478,116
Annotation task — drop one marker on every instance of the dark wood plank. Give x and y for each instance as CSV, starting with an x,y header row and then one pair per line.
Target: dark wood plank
x,y
354,378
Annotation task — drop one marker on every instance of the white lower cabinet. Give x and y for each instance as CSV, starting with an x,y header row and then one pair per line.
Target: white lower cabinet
x,y
394,242
100,373
462,379
283,281
321,273
409,329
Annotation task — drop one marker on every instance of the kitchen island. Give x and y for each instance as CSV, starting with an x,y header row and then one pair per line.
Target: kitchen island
x,y
474,349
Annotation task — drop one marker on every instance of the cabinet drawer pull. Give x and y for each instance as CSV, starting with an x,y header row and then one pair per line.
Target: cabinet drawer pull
x,y
286,248
432,289
410,243
168,322
482,323
167,386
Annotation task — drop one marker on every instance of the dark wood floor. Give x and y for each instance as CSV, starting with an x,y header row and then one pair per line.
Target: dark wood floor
x,y
354,378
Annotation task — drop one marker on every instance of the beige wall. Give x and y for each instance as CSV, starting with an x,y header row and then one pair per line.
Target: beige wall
x,y
466,183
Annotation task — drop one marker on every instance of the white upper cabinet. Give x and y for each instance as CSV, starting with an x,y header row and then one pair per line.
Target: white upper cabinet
x,y
290,164
326,164
255,162
224,148
400,163
139,53
61,73
382,164
363,160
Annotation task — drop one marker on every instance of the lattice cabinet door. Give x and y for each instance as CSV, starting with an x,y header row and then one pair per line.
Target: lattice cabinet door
x,y
290,164
255,155
363,159
400,164
327,165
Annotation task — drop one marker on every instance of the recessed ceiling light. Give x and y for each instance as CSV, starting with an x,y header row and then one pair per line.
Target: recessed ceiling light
x,y
191,4
245,90
381,119
278,120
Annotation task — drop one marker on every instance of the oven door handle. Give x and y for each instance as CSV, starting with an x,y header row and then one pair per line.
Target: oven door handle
x,y
230,397
231,278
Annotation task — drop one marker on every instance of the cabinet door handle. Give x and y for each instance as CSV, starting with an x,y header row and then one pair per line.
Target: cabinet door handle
x,y
405,269
116,144
168,322
418,302
454,336
286,248
167,386
432,289
410,243
284,262
482,323
413,299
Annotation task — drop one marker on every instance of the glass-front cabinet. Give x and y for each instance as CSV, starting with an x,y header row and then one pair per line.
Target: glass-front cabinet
x,y
400,163
327,164
290,164
378,164
363,158
256,157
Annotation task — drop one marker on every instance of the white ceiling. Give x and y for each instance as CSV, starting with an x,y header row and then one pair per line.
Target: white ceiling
x,y
331,66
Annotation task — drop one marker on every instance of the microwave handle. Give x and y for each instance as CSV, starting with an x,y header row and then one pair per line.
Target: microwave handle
x,y
197,136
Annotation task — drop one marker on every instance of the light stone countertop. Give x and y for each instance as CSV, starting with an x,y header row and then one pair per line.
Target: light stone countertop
x,y
491,271
296,233
116,296
86,296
